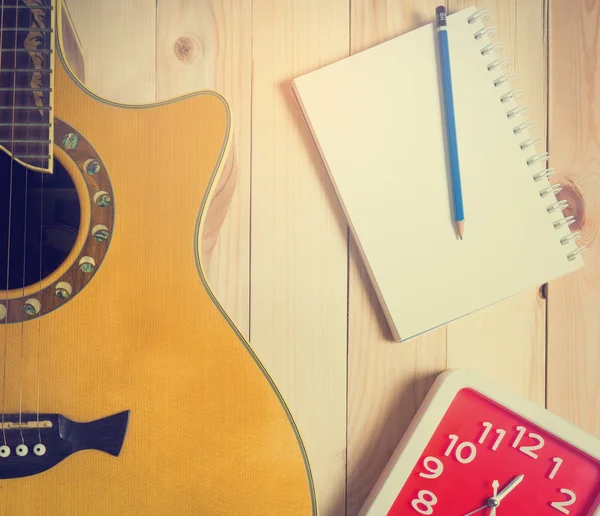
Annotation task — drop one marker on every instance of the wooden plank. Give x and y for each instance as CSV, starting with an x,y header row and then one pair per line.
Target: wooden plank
x,y
507,340
299,244
71,43
574,301
207,44
386,380
118,40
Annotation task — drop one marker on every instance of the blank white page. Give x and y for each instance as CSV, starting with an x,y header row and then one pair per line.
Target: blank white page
x,y
378,122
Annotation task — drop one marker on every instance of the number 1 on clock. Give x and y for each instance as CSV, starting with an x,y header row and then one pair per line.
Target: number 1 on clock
x,y
558,461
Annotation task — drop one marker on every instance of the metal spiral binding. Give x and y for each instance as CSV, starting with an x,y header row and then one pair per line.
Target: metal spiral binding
x,y
521,110
552,189
529,143
509,77
573,254
572,237
483,15
511,95
532,142
502,62
492,47
559,205
540,156
490,31
546,173
565,221
525,126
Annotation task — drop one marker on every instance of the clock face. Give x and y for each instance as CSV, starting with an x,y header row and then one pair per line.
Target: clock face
x,y
481,449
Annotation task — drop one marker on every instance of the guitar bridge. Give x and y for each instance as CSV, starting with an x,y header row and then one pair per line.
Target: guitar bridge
x,y
41,441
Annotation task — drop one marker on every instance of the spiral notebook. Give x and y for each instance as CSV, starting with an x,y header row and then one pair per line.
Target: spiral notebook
x,y
377,120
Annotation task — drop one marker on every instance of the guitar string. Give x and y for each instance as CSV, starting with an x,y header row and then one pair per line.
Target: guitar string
x,y
22,343
24,96
39,322
7,264
27,145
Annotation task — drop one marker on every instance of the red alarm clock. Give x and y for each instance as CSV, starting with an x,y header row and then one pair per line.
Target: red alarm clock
x,y
477,449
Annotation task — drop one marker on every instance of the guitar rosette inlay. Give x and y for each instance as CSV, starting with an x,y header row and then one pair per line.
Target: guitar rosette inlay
x,y
94,239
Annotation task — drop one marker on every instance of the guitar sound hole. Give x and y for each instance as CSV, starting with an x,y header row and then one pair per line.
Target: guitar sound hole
x,y
44,214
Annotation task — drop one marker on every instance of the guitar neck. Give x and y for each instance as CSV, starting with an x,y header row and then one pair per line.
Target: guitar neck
x,y
27,39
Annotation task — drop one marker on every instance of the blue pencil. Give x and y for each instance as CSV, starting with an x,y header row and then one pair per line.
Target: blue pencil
x,y
442,35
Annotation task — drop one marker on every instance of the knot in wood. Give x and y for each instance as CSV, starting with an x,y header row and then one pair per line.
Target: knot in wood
x,y
573,196
187,48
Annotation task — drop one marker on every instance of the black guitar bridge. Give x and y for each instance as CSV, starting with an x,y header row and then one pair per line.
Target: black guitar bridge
x,y
32,443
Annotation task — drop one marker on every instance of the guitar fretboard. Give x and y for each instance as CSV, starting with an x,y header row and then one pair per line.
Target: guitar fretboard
x,y
26,63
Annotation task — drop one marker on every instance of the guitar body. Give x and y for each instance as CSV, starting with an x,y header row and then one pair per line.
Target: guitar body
x,y
207,432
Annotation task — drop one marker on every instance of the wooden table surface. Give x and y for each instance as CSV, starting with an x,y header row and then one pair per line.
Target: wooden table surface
x,y
283,263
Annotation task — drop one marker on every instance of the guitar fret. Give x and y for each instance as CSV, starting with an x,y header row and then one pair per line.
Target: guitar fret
x,y
35,51
29,156
25,108
44,7
25,89
28,29
26,141
23,70
25,124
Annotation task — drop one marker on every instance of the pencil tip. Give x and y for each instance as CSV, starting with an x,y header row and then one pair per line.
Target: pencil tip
x,y
461,228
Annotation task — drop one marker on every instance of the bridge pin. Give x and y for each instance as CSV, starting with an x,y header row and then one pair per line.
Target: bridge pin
x,y
4,451
39,449
22,450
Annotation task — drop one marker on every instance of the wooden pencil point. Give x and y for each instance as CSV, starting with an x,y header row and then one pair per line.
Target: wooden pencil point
x,y
461,228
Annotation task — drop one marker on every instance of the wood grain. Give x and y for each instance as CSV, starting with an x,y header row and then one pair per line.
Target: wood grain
x,y
386,380
207,44
507,340
574,301
118,40
72,44
299,246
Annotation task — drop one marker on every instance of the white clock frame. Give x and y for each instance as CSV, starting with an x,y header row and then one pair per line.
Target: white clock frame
x,y
429,416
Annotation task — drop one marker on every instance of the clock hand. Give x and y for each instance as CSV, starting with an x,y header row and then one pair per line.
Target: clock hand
x,y
514,483
493,501
495,485
477,510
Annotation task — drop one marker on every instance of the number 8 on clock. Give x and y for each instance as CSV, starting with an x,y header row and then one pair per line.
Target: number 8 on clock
x,y
477,449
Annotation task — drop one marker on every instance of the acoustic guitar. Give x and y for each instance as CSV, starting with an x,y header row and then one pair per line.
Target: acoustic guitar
x,y
124,387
